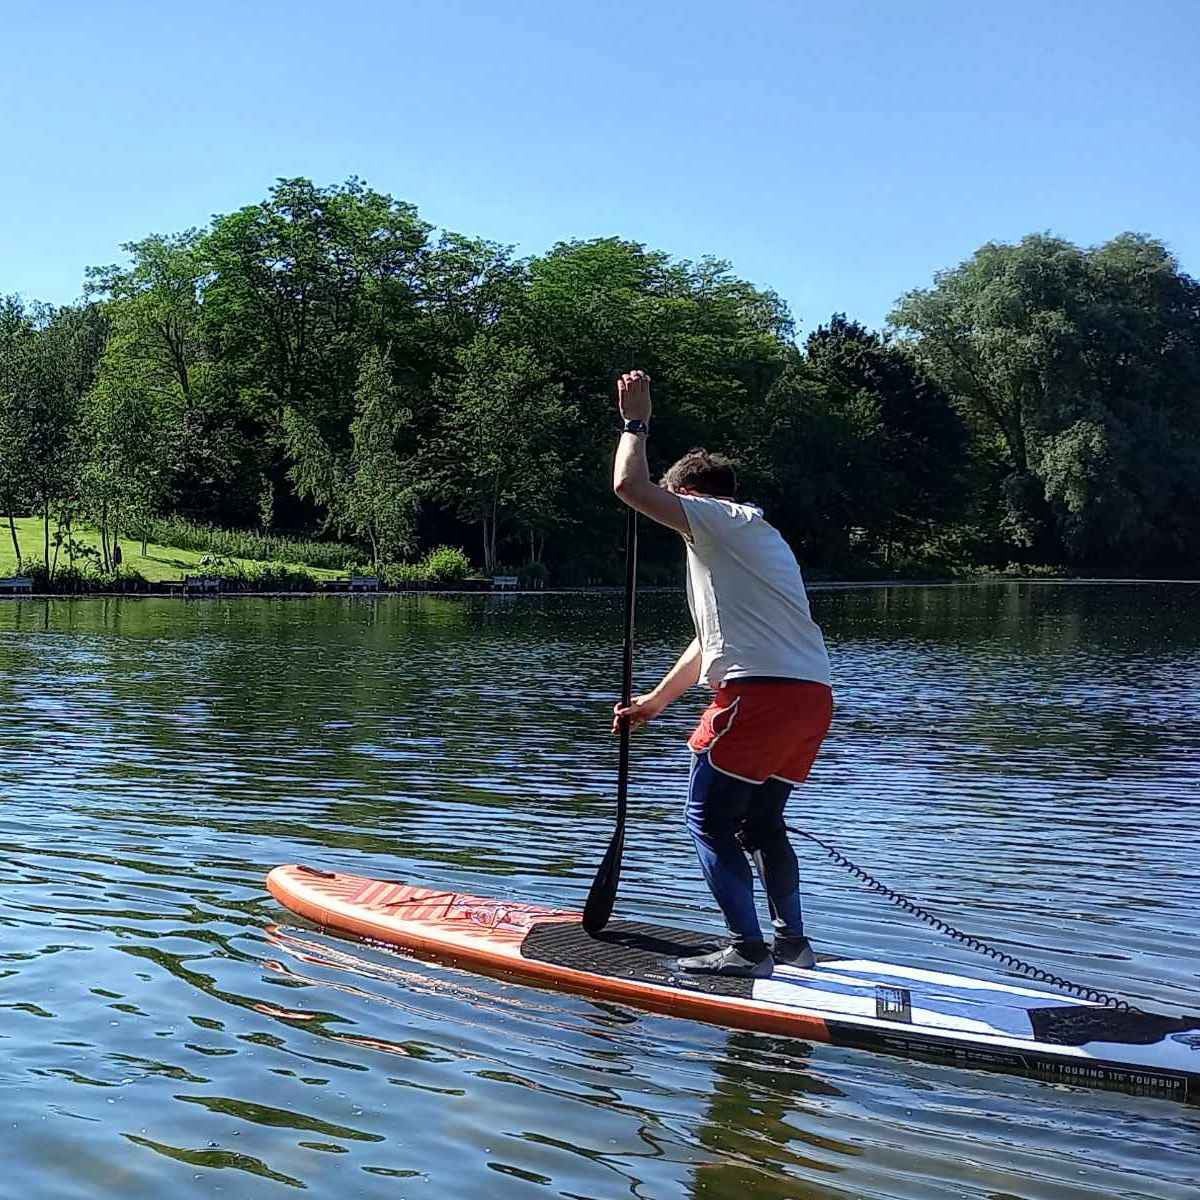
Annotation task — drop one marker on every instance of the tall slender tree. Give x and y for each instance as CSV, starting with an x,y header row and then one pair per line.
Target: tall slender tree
x,y
502,452
379,489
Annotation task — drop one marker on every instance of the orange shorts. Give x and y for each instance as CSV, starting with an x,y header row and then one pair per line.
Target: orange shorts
x,y
765,729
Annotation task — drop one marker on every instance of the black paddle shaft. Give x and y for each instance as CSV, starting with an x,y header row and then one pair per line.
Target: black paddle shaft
x,y
603,895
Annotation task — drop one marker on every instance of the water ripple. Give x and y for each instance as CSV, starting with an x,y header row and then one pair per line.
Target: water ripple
x,y
1024,759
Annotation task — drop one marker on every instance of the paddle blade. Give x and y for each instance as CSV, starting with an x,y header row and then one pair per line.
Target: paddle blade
x,y
602,897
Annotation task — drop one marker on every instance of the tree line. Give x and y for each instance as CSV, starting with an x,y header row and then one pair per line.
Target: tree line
x,y
327,363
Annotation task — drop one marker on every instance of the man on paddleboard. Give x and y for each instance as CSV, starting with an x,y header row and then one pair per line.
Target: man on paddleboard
x,y
758,648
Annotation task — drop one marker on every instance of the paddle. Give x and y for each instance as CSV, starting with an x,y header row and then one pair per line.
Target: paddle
x,y
599,906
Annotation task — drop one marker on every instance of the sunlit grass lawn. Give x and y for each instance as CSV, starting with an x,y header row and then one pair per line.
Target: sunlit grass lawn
x,y
159,563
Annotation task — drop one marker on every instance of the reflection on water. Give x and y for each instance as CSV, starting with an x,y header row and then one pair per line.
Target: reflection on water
x,y
1023,758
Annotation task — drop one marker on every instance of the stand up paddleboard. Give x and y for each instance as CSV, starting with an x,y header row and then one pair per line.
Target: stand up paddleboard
x,y
845,1001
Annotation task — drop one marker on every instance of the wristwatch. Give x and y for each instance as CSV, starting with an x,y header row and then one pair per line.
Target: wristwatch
x,y
637,425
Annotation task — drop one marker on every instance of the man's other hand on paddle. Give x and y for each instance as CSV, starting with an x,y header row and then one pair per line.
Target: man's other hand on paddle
x,y
643,709
640,711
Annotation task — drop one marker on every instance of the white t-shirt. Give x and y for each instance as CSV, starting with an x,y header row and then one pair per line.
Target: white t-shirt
x,y
747,596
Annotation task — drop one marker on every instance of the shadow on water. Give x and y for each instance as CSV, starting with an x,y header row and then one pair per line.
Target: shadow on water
x,y
1023,759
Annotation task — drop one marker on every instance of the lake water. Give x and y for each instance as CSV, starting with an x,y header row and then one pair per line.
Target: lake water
x,y
1025,759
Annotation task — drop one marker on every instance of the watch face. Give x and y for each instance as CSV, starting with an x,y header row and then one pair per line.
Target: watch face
x,y
636,425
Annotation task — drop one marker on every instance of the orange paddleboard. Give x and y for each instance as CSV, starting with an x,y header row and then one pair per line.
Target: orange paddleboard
x,y
844,1000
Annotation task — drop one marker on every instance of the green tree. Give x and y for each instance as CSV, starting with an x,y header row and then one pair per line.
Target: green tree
x,y
154,305
913,457
377,495
159,371
16,332
1078,370
127,444
805,454
853,450
503,448
713,343
147,427
49,357
302,286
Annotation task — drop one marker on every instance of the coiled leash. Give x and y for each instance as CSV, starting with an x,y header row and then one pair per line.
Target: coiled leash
x,y
969,940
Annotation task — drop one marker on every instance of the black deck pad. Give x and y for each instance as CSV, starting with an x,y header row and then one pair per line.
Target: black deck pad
x,y
1077,1025
631,950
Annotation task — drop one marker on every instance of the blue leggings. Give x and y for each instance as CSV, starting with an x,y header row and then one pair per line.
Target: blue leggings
x,y
729,818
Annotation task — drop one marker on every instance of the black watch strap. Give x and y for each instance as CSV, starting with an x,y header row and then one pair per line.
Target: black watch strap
x,y
637,425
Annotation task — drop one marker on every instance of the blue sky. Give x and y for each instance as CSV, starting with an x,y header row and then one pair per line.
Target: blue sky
x,y
840,153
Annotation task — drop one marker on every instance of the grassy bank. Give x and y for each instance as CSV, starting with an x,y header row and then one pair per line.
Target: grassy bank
x,y
159,562
244,544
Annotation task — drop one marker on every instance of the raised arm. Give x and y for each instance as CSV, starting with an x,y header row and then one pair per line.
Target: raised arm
x,y
631,472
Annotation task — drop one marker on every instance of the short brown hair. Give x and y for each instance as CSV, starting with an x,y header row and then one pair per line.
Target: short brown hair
x,y
711,474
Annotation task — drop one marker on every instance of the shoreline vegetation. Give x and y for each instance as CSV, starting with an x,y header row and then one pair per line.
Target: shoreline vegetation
x,y
158,569
478,587
322,384
170,569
